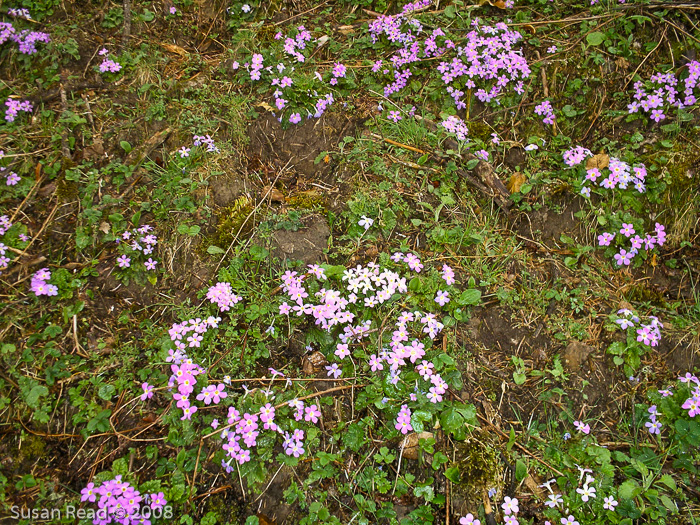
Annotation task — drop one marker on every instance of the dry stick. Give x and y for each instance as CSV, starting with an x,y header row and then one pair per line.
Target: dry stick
x,y
43,227
65,151
394,143
645,59
127,23
38,182
300,14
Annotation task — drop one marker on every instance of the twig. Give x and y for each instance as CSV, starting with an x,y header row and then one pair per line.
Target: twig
x,y
645,59
127,23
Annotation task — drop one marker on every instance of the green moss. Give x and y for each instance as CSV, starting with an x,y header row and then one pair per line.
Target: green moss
x,y
681,208
32,447
480,469
306,200
231,219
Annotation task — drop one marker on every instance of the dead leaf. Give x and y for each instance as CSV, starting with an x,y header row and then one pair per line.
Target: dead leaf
x,y
530,28
410,444
599,161
532,485
313,363
516,182
265,520
266,106
346,30
274,194
104,227
174,49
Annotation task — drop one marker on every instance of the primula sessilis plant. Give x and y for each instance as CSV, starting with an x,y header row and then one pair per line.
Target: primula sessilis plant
x,y
640,336
369,328
282,75
119,502
25,39
14,107
661,93
485,62
628,238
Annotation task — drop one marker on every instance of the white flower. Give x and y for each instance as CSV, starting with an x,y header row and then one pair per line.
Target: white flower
x,y
245,8
366,222
553,500
531,147
610,503
586,492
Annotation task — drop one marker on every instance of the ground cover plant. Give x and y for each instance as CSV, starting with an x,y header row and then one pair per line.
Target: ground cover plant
x,y
350,262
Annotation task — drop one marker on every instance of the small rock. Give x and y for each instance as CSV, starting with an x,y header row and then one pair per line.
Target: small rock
x,y
574,354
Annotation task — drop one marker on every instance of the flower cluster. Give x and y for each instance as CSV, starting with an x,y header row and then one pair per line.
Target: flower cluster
x,y
624,256
647,334
178,332
618,175
11,178
108,65
205,140
487,56
4,259
403,420
119,502
141,240
5,224
280,78
576,155
457,126
14,107
546,111
222,295
448,274
19,13
510,509
39,284
26,40
691,404
662,92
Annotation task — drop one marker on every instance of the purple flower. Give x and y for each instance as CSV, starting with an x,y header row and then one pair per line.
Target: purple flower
x,y
147,391
394,115
124,261
334,371
295,118
442,298
623,258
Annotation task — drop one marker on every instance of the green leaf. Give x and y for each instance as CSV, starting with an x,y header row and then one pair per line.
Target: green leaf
x,y
35,394
469,297
668,481
215,250
125,146
450,11
252,520
452,474
472,164
106,392
595,39
628,490
569,111
520,470
426,492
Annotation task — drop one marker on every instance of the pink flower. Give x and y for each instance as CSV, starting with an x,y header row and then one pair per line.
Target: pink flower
x,y
312,413
147,391
581,427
